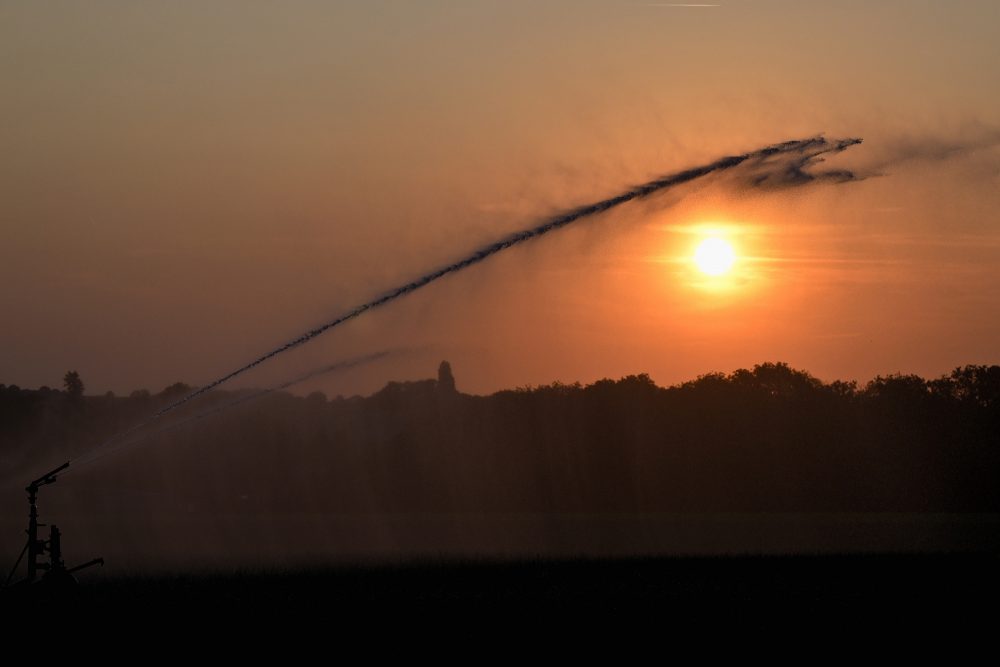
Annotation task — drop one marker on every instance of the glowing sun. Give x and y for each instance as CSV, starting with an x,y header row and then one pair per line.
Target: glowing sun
x,y
714,256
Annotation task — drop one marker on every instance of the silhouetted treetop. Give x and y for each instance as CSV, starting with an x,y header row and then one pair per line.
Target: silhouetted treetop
x,y
446,381
776,379
911,388
973,384
176,390
73,385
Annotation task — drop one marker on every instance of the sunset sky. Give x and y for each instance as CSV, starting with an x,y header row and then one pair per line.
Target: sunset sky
x,y
186,185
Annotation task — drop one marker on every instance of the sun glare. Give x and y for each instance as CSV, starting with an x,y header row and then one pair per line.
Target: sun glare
x,y
714,256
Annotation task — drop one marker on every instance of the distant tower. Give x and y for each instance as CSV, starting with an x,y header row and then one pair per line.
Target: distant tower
x,y
446,381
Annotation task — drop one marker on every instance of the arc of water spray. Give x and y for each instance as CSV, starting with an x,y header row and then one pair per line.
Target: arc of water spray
x,y
809,148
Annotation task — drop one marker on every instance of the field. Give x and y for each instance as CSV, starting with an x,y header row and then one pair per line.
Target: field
x,y
723,584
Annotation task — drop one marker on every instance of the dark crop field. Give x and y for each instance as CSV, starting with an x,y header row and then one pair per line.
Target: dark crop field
x,y
810,584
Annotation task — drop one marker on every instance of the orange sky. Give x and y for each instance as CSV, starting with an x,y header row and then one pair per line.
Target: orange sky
x,y
185,185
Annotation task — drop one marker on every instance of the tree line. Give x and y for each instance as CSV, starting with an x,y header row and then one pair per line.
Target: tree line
x,y
766,439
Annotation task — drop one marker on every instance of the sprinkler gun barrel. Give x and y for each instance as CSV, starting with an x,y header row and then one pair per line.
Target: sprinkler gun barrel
x,y
47,478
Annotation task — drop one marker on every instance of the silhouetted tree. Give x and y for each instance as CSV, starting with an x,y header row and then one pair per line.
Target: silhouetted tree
x,y
974,384
73,384
446,381
776,379
900,389
176,390
844,390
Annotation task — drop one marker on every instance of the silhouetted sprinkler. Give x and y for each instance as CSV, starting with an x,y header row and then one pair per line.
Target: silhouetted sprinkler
x,y
55,571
